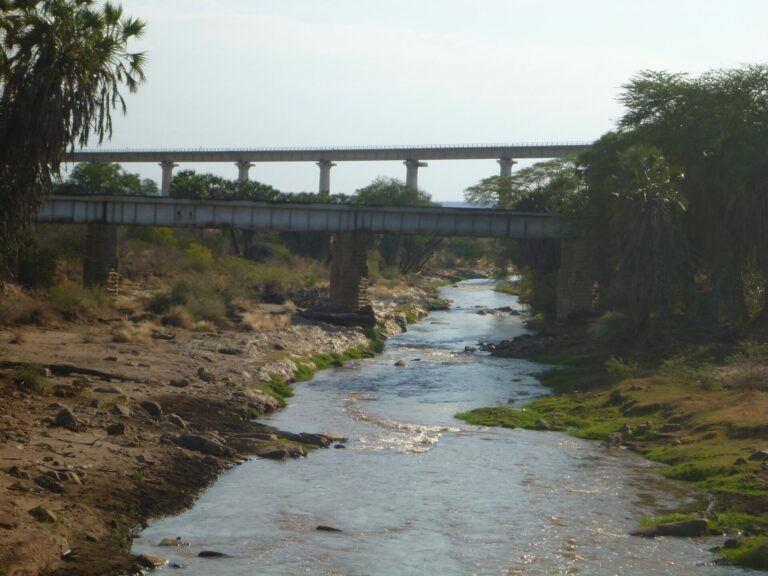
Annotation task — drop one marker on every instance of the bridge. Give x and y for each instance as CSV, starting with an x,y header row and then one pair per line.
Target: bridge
x,y
413,157
349,224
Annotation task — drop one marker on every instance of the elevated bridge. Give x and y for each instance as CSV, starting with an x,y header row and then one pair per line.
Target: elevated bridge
x,y
349,224
414,157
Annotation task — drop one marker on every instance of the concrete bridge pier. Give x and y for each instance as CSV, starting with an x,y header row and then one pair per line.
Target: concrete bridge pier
x,y
325,176
349,272
243,168
577,279
412,173
100,253
165,186
505,165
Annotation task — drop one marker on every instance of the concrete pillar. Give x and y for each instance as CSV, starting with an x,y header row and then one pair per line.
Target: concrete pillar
x,y
506,166
165,186
577,278
349,271
412,173
242,169
325,176
100,253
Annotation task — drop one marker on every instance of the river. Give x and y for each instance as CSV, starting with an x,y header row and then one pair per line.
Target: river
x,y
417,492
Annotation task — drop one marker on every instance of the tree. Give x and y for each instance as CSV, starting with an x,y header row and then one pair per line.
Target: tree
x,y
105,178
409,253
62,66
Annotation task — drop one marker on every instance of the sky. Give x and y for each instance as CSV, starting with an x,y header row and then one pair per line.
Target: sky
x,y
304,73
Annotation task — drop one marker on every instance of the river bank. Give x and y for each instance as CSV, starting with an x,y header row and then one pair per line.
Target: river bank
x,y
106,425
702,411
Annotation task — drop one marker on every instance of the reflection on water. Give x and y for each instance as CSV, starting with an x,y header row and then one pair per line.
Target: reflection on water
x,y
418,492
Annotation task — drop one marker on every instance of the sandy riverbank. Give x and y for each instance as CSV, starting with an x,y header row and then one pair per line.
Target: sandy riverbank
x,y
125,431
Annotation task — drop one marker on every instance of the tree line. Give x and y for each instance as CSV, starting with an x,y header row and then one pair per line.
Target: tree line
x,y
674,201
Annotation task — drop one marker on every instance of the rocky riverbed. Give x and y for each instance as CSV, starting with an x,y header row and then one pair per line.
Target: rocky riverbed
x,y
115,432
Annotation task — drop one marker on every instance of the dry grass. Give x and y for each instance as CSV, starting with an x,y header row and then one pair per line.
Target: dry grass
x,y
258,321
129,333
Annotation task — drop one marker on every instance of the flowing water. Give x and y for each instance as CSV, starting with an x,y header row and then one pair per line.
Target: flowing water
x,y
417,492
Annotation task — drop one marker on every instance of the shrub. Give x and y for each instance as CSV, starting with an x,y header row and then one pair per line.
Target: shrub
x,y
618,370
37,268
31,378
74,302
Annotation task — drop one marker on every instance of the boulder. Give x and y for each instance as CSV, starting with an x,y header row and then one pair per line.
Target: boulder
x,y
116,429
205,375
65,419
152,408
400,364
42,514
211,554
759,456
682,529
205,443
176,420
281,451
172,542
122,410
179,383
147,561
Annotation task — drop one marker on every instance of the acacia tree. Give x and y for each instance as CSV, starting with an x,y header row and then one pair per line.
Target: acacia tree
x,y
62,66
105,178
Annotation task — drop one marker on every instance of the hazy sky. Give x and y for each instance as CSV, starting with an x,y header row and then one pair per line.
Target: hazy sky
x,y
262,73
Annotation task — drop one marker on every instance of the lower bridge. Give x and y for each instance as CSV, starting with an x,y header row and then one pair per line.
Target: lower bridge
x,y
348,224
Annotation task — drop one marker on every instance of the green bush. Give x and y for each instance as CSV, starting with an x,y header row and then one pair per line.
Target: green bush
x,y
37,268
74,302
31,378
618,370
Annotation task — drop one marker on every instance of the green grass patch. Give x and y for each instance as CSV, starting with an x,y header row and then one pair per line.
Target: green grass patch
x,y
750,553
507,288
277,388
303,372
667,518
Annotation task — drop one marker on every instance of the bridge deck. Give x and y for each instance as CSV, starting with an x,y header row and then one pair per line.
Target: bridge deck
x,y
354,153
294,217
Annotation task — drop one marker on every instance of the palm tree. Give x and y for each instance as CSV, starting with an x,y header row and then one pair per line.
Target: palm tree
x,y
62,66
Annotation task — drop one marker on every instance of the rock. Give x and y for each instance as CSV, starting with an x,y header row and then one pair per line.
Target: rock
x,y
626,430
110,359
116,429
211,554
470,349
205,375
7,525
204,443
759,456
179,383
152,408
64,391
177,421
319,440
682,529
160,335
108,390
541,424
339,446
614,440
670,428
122,410
50,484
741,462
230,351
173,542
400,363
150,562
42,514
732,543
17,472
324,528
91,537
66,419
281,451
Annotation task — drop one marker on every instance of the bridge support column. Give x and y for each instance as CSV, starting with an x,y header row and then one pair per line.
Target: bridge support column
x,y
165,186
349,271
577,278
325,177
100,253
412,173
242,169
505,165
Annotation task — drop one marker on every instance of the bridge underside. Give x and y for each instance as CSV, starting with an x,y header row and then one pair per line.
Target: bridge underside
x,y
350,227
